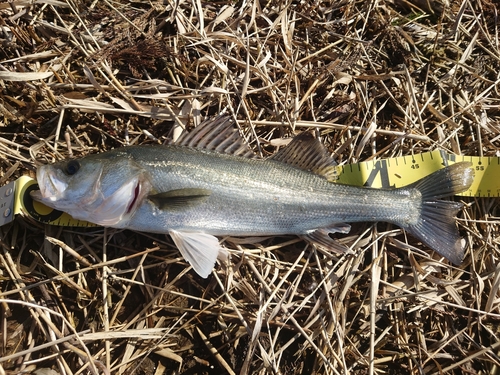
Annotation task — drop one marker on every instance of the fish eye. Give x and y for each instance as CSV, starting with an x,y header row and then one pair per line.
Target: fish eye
x,y
72,167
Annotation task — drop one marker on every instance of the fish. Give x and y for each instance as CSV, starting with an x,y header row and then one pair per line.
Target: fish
x,y
210,183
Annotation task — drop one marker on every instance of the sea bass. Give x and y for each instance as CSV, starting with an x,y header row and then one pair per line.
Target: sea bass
x,y
210,183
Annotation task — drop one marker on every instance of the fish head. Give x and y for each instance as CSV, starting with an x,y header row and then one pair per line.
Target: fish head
x,y
100,189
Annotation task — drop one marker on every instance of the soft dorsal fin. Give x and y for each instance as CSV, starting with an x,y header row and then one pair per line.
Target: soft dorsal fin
x,y
217,134
306,152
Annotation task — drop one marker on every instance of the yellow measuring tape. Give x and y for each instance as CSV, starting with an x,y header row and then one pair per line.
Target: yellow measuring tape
x,y
25,205
401,171
385,173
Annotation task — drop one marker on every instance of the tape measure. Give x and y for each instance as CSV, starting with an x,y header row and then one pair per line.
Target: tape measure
x,y
404,170
389,173
23,204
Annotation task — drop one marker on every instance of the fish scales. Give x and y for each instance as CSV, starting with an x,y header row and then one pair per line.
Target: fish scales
x,y
288,201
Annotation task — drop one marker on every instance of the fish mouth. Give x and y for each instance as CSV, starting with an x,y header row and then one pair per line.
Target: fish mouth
x,y
36,195
51,187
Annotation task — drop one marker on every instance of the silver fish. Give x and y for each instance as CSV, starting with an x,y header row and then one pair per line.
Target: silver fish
x,y
210,184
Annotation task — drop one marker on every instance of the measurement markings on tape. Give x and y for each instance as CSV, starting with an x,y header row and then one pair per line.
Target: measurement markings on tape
x,y
404,170
487,175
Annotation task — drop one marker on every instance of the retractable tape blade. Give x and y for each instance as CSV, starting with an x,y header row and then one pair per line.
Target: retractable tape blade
x,y
404,170
388,173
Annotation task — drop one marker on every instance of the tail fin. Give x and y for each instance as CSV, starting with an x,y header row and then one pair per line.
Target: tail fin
x,y
436,226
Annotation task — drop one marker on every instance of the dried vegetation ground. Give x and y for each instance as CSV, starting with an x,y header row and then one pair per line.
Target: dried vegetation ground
x,y
377,78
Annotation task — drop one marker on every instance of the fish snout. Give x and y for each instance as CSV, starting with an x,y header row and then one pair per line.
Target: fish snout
x,y
50,185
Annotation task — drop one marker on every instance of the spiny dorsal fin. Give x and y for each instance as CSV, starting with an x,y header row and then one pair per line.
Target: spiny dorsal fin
x,y
217,134
306,152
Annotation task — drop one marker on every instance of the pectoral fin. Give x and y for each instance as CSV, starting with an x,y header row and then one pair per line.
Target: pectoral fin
x,y
180,198
199,249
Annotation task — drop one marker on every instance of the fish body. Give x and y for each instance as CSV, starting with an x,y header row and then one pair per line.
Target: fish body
x,y
194,192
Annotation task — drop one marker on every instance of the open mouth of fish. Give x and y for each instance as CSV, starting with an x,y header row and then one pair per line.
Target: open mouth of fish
x,y
51,187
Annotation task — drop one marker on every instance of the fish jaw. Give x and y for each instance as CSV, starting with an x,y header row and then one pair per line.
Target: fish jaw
x,y
57,191
88,199
52,189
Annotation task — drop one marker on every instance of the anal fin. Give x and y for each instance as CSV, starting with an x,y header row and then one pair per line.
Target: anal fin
x,y
320,237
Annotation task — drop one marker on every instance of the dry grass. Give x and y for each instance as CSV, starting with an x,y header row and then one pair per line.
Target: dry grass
x,y
377,78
